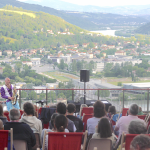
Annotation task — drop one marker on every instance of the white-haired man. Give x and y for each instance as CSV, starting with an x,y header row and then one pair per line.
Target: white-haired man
x,y
7,93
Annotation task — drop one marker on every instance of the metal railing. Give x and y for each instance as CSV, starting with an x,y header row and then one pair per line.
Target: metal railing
x,y
120,98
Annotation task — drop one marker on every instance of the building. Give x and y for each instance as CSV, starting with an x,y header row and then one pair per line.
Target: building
x,y
36,61
9,52
29,63
52,85
90,55
0,53
123,53
41,89
99,67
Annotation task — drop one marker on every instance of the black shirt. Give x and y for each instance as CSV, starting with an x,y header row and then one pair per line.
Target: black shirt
x,y
77,121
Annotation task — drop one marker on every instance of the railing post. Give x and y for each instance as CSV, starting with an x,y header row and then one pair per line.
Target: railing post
x,y
98,94
73,95
46,96
148,100
123,99
20,99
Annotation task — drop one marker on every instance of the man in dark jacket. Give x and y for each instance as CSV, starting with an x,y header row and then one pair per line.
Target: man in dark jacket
x,y
21,131
71,108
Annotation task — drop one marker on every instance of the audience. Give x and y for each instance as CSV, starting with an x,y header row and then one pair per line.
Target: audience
x,y
21,130
61,109
140,142
2,117
61,122
29,118
140,111
99,112
71,108
123,123
104,130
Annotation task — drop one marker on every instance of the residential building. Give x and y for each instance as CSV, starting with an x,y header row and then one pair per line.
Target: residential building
x,y
9,52
90,55
120,53
29,63
52,85
99,67
36,61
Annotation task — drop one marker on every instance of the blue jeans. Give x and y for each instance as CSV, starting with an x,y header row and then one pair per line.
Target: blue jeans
x,y
10,106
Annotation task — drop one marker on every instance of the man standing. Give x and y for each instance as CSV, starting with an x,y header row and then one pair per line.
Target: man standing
x,y
7,93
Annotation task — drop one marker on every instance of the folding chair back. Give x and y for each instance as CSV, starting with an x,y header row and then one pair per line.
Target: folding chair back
x,y
124,111
7,115
85,118
20,145
45,126
101,144
142,117
64,141
21,113
3,139
87,110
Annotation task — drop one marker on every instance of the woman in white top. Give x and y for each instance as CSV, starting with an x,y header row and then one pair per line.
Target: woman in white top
x,y
99,112
104,130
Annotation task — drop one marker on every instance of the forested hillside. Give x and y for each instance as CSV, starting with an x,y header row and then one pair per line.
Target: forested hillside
x,y
145,29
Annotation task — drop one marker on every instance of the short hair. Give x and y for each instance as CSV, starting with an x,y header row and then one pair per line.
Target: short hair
x,y
112,110
104,128
61,123
134,109
53,119
137,127
1,110
28,108
99,109
71,108
142,141
14,114
61,108
1,125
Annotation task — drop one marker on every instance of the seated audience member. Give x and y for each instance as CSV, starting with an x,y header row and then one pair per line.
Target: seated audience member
x,y
71,108
140,142
60,124
29,118
140,111
21,130
61,109
104,130
2,117
123,123
112,111
99,112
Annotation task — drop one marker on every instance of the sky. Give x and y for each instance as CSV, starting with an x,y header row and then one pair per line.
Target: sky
x,y
103,2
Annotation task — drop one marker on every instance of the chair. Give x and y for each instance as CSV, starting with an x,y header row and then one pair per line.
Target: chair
x,y
21,113
7,115
84,119
20,145
142,117
64,141
124,111
101,144
4,139
38,143
87,110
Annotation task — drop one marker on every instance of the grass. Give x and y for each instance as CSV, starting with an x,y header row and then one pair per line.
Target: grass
x,y
20,12
8,38
58,76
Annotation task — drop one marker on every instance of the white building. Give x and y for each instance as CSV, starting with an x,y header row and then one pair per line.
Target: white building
x,y
36,61
99,67
42,89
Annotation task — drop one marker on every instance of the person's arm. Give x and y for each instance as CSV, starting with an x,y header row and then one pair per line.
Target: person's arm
x,y
117,125
80,125
3,93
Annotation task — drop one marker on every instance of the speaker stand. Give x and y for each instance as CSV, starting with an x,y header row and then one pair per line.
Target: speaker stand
x,y
84,93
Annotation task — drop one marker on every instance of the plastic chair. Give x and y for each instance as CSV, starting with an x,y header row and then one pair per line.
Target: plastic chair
x,y
101,144
124,111
20,145
64,141
45,126
142,117
7,115
4,139
87,110
85,118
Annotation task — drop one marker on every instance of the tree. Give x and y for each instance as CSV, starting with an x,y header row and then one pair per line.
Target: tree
x,y
119,84
32,95
62,64
52,96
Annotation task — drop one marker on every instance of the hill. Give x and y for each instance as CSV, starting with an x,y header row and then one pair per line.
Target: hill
x,y
145,29
86,20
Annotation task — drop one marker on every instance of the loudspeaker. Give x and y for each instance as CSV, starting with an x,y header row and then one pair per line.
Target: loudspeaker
x,y
84,75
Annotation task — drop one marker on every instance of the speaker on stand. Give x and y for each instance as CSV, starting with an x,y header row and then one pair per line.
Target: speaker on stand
x,y
84,77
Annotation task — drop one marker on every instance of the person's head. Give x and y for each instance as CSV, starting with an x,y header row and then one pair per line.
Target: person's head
x,y
140,109
71,108
133,110
99,109
1,110
61,108
112,110
14,114
104,128
53,119
140,142
137,127
61,123
28,108
1,125
7,81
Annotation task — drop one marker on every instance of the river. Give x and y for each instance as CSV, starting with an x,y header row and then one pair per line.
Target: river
x,y
106,32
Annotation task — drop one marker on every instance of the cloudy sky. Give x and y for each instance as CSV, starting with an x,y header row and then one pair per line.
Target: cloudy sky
x,y
103,3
